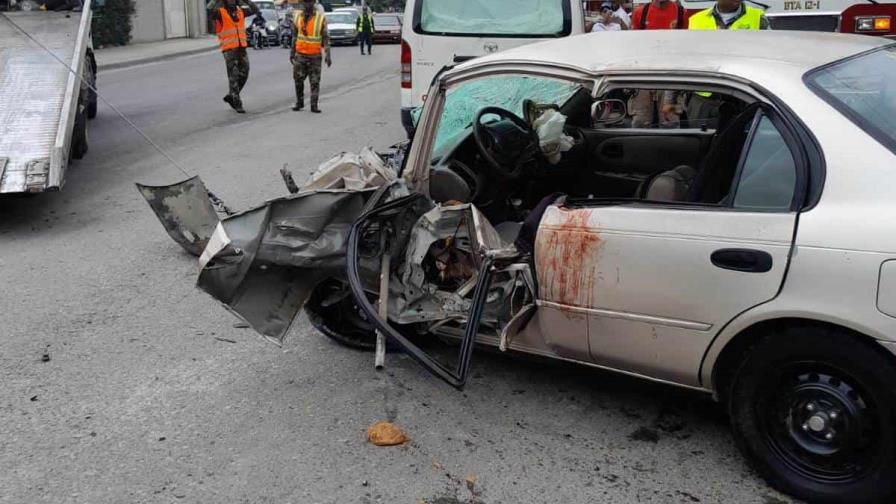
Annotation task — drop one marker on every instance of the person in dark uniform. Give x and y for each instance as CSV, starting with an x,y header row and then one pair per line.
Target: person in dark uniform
x,y
230,24
364,27
311,48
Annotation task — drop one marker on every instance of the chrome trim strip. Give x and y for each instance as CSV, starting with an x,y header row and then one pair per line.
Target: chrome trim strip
x,y
637,317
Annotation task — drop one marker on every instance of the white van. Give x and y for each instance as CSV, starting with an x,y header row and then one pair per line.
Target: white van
x,y
438,33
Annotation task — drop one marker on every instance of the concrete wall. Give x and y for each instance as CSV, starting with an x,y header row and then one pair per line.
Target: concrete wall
x,y
149,20
197,18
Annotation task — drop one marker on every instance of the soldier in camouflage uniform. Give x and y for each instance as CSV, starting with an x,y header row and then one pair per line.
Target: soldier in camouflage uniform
x,y
236,59
312,47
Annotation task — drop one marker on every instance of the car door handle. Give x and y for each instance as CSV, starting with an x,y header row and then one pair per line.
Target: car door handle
x,y
746,260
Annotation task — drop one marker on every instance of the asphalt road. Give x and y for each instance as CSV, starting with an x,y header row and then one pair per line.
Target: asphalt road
x,y
151,395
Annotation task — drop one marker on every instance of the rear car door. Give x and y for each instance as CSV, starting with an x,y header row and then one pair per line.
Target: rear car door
x,y
651,283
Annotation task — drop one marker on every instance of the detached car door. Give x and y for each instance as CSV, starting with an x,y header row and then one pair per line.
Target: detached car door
x,y
651,283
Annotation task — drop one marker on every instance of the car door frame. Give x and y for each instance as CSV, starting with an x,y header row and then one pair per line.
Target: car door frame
x,y
416,176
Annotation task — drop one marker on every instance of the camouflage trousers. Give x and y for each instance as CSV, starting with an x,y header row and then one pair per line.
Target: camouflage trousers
x,y
646,108
237,71
307,67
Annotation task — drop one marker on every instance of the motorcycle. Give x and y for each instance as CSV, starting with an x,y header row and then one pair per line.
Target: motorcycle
x,y
286,35
258,37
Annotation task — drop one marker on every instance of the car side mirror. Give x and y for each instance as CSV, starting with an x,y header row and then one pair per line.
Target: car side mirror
x,y
608,112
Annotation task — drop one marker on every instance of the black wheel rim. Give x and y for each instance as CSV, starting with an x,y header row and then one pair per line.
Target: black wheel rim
x,y
819,422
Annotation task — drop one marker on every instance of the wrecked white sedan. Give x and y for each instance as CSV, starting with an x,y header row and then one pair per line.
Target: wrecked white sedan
x,y
749,252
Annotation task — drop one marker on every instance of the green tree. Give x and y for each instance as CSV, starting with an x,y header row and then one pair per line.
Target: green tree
x,y
112,22
386,5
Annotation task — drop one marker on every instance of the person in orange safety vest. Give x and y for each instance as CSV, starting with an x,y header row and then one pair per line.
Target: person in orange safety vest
x,y
230,25
312,46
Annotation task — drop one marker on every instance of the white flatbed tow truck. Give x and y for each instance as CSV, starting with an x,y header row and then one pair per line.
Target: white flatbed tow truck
x,y
44,106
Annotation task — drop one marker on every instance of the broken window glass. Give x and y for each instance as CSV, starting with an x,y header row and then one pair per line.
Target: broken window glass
x,y
504,91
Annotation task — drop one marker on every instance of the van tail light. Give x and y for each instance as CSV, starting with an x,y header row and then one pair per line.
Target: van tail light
x,y
405,65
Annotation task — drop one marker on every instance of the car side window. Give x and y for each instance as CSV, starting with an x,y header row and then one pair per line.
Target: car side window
x,y
768,177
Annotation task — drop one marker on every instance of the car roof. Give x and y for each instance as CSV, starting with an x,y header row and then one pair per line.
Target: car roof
x,y
737,52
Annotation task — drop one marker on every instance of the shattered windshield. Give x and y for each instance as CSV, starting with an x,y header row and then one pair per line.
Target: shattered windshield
x,y
863,89
518,18
504,91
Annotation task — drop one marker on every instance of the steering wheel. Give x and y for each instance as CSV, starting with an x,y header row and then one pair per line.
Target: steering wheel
x,y
506,145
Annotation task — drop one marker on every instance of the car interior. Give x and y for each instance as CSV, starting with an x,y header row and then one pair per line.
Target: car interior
x,y
497,165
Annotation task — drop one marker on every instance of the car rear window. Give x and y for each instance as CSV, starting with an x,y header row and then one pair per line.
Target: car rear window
x,y
340,19
863,88
504,18
386,20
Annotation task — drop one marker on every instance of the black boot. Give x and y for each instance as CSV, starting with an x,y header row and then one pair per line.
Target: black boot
x,y
298,106
315,109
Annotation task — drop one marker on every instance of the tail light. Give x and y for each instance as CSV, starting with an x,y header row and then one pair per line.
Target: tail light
x,y
872,24
405,65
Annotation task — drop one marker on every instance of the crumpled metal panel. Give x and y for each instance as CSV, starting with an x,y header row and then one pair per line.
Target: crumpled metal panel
x,y
267,260
414,298
185,212
351,171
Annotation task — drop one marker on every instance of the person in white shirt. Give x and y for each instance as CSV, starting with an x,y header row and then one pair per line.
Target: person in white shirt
x,y
625,19
609,19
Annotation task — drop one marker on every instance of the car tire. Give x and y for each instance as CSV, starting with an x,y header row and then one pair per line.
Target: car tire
x,y
813,410
79,136
342,320
92,104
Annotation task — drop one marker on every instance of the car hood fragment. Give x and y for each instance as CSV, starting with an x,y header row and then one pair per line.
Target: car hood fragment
x,y
185,212
263,263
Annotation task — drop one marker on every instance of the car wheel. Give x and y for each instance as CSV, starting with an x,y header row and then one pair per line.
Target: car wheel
x,y
332,311
813,409
79,136
91,95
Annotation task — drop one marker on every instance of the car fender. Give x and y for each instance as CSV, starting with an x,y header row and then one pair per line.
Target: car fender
x,y
770,312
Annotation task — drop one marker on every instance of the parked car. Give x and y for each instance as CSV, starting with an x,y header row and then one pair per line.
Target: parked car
x,y
387,28
341,28
752,257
